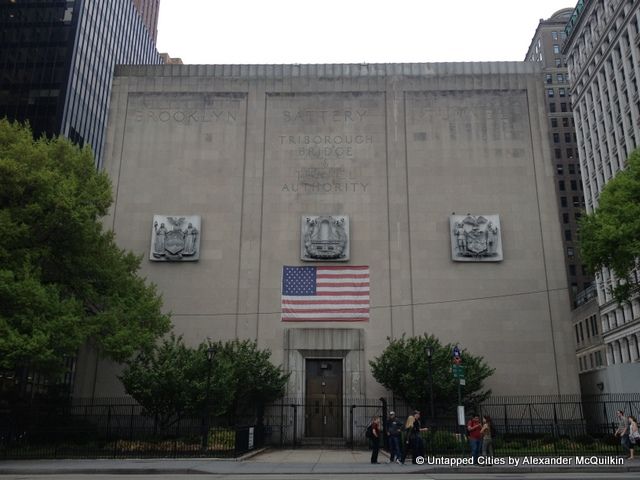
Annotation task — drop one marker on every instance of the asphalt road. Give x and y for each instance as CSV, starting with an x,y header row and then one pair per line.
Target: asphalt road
x,y
443,476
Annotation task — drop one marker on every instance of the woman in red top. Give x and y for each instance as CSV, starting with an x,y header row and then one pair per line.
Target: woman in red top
x,y
374,441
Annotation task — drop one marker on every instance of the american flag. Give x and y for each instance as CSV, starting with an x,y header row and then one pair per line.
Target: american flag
x,y
325,294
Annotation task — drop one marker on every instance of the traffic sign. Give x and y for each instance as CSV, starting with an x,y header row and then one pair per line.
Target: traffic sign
x,y
458,371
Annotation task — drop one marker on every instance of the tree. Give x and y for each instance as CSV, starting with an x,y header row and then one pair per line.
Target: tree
x,y
610,236
170,381
63,279
403,369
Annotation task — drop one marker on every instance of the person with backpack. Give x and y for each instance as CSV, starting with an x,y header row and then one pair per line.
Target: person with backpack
x,y
373,434
488,432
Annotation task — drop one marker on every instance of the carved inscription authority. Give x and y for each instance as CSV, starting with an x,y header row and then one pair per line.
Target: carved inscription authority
x,y
475,238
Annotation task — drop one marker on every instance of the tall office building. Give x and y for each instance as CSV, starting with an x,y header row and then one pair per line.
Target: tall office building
x,y
149,10
603,56
545,48
57,60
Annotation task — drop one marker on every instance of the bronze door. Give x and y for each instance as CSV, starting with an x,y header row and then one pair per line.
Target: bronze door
x,y
323,405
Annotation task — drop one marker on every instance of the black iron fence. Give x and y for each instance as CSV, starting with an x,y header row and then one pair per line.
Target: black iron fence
x,y
120,428
527,425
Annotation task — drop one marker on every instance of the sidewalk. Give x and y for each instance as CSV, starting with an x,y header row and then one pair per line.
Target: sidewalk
x,y
300,461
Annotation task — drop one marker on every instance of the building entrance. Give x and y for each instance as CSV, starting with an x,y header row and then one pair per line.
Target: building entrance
x,y
323,401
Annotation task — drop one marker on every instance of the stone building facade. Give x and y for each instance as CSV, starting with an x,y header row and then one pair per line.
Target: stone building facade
x,y
545,48
603,53
417,156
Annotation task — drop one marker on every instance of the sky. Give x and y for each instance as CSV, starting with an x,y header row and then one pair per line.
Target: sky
x,y
350,31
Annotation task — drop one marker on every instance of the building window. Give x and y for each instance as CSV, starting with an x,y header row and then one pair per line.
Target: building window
x,y
563,201
577,202
567,235
554,35
558,62
556,138
560,169
567,137
560,78
572,270
550,92
569,152
548,78
572,167
552,107
571,253
565,218
561,186
556,49
563,107
554,123
562,92
565,122
558,153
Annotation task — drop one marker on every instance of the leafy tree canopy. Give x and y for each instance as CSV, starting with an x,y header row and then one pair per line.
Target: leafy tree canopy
x,y
403,368
610,236
63,280
170,381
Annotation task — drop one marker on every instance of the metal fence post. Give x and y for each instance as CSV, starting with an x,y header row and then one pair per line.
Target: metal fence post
x,y
351,425
383,424
295,423
506,418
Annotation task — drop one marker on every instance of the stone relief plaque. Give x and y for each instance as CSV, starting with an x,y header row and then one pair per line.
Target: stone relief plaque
x,y
475,238
175,238
324,238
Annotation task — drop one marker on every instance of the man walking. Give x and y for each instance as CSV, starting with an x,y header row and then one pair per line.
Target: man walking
x,y
394,431
623,432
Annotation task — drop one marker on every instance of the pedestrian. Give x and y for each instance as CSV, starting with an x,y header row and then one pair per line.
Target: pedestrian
x,y
634,435
394,432
374,439
408,441
487,432
475,437
623,432
414,438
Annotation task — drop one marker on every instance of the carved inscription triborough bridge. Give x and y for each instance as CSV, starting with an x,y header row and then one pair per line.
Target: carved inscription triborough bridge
x,y
326,158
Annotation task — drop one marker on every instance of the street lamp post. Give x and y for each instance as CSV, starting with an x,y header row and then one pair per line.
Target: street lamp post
x,y
429,360
211,353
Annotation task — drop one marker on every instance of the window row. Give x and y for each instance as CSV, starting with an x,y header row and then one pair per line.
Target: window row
x,y
564,107
560,78
573,168
591,361
575,185
566,122
566,218
577,202
568,137
562,92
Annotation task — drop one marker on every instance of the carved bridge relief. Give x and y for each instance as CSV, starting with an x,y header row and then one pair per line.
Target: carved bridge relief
x,y
324,238
475,238
175,239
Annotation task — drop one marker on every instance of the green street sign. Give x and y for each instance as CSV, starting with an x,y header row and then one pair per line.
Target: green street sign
x,y
458,371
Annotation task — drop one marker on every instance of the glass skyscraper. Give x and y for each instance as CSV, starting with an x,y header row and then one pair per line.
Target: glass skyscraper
x,y
57,60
